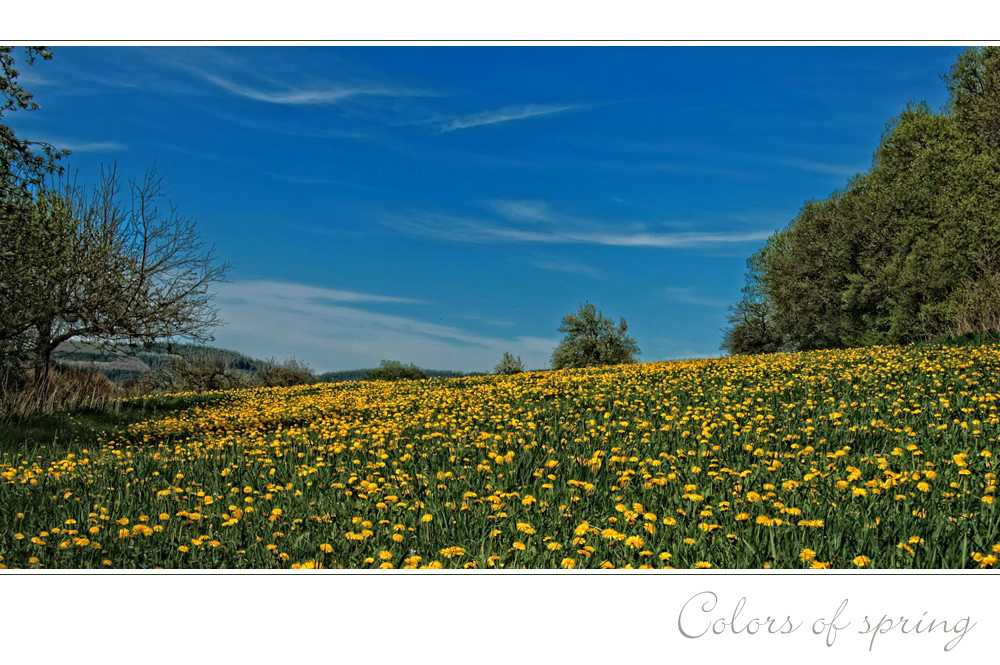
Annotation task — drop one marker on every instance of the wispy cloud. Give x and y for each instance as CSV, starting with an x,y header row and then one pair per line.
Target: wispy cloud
x,y
310,323
264,77
254,290
505,114
531,211
520,226
325,94
81,146
95,146
571,267
690,296
33,78
640,152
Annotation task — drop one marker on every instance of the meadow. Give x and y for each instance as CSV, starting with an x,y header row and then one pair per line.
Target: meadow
x,y
880,457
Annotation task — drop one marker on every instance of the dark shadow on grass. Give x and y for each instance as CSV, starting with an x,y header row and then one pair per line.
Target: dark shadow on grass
x,y
62,429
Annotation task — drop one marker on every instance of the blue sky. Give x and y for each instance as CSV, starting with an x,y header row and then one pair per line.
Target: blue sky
x,y
442,205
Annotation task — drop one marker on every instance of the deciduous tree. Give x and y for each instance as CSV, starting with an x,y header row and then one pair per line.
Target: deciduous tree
x,y
593,339
509,365
113,267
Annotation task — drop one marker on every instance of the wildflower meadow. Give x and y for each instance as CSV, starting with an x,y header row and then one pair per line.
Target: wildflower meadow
x,y
879,457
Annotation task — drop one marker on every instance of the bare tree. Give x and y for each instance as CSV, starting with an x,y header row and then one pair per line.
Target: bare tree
x,y
111,267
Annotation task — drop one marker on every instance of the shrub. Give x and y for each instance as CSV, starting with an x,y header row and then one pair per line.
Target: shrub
x,y
284,374
509,365
393,370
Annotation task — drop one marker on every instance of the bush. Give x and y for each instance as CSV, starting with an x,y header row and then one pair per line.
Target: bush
x,y
509,365
393,370
291,372
146,383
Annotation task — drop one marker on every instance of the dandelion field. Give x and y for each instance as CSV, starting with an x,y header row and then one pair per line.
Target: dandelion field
x,y
876,458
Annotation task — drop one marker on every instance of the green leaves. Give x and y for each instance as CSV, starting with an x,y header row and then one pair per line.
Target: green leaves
x,y
393,370
20,162
509,365
908,251
593,339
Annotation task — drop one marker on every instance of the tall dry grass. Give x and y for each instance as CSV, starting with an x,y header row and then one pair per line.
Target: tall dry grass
x,y
66,389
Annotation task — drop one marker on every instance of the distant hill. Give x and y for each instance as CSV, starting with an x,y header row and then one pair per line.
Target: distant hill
x,y
361,374
121,362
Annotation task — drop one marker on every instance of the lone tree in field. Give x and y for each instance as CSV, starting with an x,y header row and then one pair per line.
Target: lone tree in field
x,y
509,365
593,339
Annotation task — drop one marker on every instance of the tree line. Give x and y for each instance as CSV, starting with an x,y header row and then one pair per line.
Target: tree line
x,y
907,251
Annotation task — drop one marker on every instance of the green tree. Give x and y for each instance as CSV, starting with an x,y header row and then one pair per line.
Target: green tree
x,y
974,84
907,251
23,168
593,339
752,327
509,365
393,370
806,269
22,162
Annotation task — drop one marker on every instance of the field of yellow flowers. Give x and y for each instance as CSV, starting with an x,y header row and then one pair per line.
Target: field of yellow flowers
x,y
874,458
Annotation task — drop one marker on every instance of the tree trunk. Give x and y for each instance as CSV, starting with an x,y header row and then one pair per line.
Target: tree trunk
x,y
43,354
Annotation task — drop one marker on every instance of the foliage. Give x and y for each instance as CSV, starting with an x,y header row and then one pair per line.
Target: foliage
x,y
284,374
907,251
974,84
592,340
751,330
877,457
509,365
23,163
393,370
362,374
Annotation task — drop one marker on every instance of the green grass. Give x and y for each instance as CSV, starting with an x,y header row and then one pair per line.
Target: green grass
x,y
61,431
